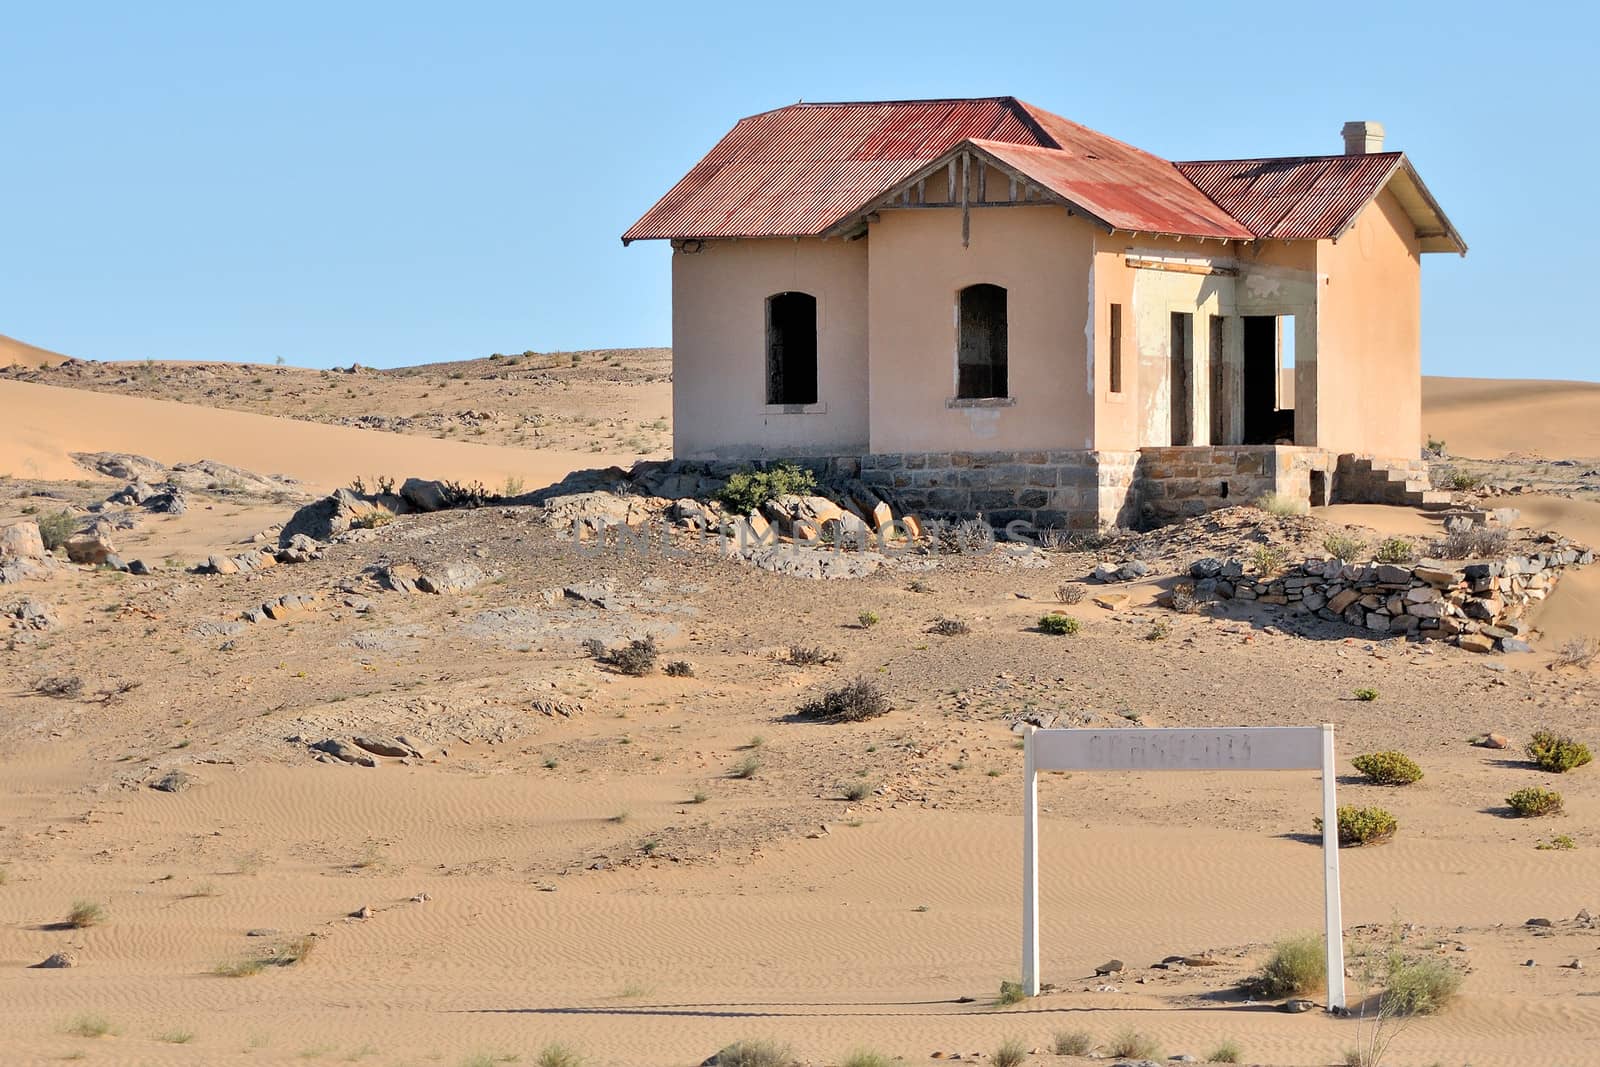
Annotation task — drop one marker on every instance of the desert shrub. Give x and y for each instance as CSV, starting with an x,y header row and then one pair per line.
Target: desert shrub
x,y
243,967
950,628
1366,696
637,657
1395,550
919,585
1534,801
1227,1052
1472,542
1011,992
89,1026
854,791
1558,843
1073,1043
1557,753
176,1037
854,701
1070,594
810,656
679,668
1159,630
1298,965
867,619
55,528
1388,768
1453,478
748,489
1419,987
1131,1044
746,768
1436,444
867,1058
558,1055
755,1054
1281,505
1184,600
60,686
1344,547
371,520
968,537
1577,652
1268,559
512,486
85,913
1059,624
1362,826
1011,1053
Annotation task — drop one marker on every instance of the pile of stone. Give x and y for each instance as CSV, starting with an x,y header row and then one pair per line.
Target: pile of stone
x,y
1479,605
297,548
167,498
22,554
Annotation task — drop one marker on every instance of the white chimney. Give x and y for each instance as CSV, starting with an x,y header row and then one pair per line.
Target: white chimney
x,y
1360,138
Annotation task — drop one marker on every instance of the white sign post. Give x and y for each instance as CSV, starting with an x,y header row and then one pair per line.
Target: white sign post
x,y
1256,748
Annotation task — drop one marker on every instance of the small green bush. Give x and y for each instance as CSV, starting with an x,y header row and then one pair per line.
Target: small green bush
x,y
854,791
1362,826
679,668
1268,560
1227,1052
85,913
1343,547
1388,768
636,658
746,768
90,1026
755,1054
1557,753
1394,550
1534,801
749,489
1366,695
867,619
1012,993
1458,480
1011,1053
55,528
1420,987
558,1055
1281,505
854,702
1130,1044
1073,1043
950,628
867,1058
1558,843
1298,965
1059,624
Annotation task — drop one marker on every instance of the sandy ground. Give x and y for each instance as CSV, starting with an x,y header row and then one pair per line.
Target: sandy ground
x,y
605,881
1488,419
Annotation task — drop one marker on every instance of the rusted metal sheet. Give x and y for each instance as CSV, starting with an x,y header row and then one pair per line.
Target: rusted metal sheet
x,y
1294,199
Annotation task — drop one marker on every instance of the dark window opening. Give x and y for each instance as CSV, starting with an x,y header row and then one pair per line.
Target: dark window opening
x,y
792,348
981,346
1116,348
1265,422
1182,353
1221,398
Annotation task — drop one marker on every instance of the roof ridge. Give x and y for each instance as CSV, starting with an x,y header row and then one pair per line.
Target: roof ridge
x,y
1282,159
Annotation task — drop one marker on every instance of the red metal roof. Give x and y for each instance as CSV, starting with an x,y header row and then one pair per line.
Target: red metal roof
x,y
803,169
1294,199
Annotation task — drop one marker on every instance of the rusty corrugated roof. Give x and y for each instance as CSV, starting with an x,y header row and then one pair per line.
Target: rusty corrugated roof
x,y
1302,198
805,169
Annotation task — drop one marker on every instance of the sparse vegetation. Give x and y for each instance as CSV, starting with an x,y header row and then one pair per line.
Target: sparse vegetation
x,y
60,686
86,913
1298,965
867,619
372,520
1011,993
1011,1053
1281,505
1421,986
1578,651
90,1026
1558,843
1533,802
855,791
678,668
745,768
1395,550
748,489
1472,542
1366,696
1227,1052
1059,624
1268,560
1071,593
637,657
1073,1043
1344,547
1362,826
855,701
755,1053
946,627
1159,630
176,1037
55,528
1456,480
1556,753
558,1055
810,656
1131,1044
1388,768
867,1058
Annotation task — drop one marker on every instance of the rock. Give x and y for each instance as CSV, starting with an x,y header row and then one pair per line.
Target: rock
x,y
1206,568
218,565
1105,572
424,494
1110,601
1493,741
1475,643
262,931
384,746
1132,569
300,549
1297,1006
346,753
363,912
123,466
1545,923
139,566
452,578
21,540
287,605
33,615
1108,967
57,960
689,512
324,519
1343,601
1514,644
173,782
90,546
1389,574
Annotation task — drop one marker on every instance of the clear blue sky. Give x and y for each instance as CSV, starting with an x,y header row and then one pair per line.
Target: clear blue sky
x,y
394,183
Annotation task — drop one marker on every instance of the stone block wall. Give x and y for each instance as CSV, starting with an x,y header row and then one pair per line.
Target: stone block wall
x,y
1064,489
1181,481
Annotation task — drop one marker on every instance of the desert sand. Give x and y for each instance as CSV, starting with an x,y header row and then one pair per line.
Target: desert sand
x,y
1488,419
606,876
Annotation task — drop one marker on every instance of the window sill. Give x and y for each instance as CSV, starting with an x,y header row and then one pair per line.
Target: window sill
x,y
981,402
794,409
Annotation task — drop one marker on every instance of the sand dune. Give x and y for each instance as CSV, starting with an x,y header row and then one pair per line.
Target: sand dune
x,y
1485,418
44,424
15,353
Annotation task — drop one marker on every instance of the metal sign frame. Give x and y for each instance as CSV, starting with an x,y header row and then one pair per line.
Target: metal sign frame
x,y
1253,748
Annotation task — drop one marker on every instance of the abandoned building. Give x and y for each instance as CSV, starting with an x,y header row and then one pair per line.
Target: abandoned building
x,y
985,307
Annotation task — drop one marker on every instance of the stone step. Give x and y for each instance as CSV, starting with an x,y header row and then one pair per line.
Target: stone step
x,y
1435,500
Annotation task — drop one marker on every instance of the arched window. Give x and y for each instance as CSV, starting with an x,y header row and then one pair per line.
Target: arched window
x,y
981,344
791,348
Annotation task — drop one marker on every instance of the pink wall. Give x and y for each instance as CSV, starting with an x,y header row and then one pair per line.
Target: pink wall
x,y
917,265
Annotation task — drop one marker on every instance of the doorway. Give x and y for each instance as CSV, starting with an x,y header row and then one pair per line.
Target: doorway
x,y
1182,377
1265,422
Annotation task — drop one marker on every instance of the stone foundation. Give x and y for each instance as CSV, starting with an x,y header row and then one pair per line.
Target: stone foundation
x,y
1065,489
1178,482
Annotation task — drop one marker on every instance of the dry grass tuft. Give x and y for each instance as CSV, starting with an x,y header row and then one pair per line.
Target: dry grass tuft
x,y
855,701
85,913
